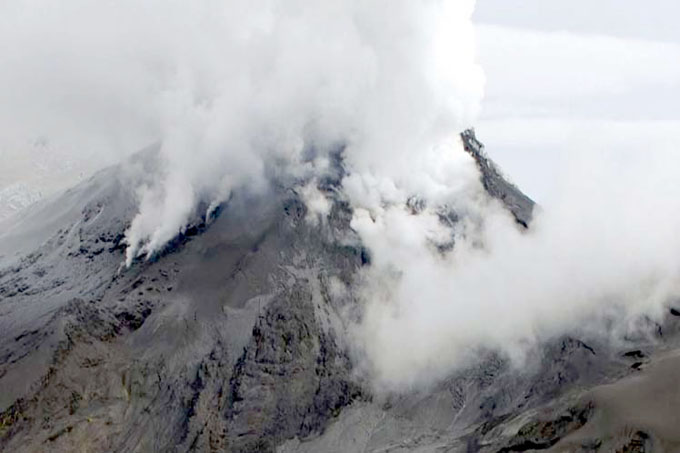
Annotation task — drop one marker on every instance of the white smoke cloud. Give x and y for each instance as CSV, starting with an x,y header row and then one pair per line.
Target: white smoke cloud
x,y
288,76
231,88
606,250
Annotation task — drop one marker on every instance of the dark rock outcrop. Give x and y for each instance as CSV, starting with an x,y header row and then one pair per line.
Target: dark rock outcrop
x,y
495,184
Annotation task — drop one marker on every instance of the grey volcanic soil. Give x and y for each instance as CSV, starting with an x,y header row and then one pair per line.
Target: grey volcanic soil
x,y
232,340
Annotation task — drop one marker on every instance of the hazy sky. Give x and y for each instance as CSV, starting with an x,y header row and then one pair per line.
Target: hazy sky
x,y
566,76
651,19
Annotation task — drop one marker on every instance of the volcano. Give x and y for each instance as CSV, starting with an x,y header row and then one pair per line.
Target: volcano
x,y
234,338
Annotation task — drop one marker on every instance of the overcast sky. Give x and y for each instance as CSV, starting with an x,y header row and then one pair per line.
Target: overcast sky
x,y
577,76
650,19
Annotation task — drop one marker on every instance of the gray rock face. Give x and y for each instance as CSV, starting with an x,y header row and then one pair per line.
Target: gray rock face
x,y
225,342
232,340
495,184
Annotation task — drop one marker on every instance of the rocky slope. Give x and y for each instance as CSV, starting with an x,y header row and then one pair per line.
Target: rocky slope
x,y
232,340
